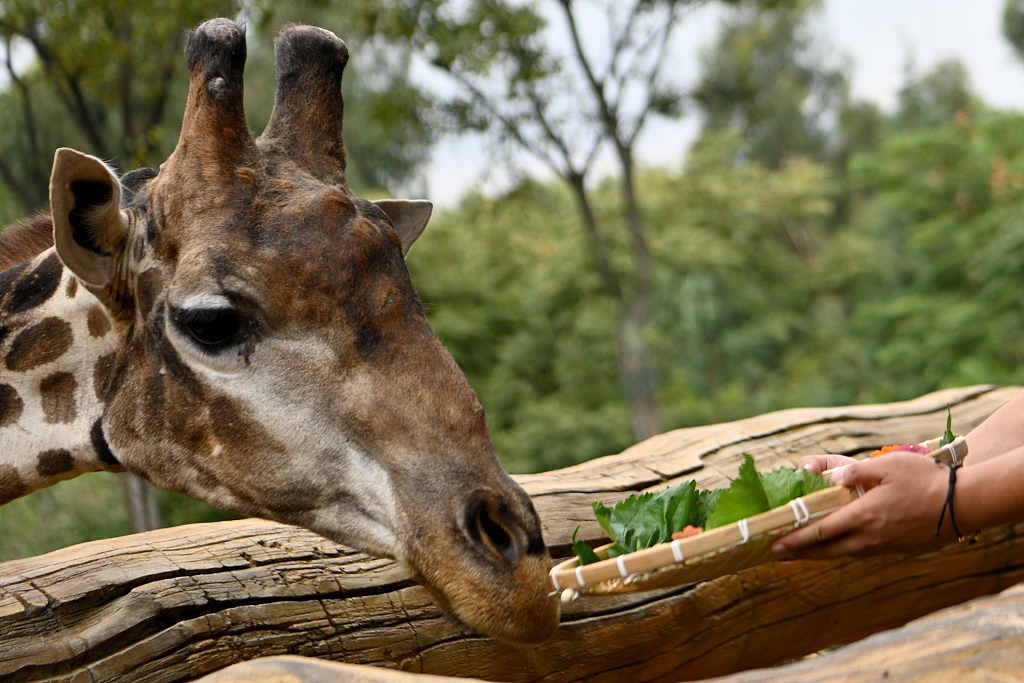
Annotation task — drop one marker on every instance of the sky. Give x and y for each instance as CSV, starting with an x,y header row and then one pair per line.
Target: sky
x,y
880,37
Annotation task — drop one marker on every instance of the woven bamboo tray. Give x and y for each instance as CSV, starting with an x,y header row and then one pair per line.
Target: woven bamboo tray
x,y
717,552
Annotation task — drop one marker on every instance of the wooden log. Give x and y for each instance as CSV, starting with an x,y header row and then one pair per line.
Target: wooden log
x,y
291,669
176,604
977,641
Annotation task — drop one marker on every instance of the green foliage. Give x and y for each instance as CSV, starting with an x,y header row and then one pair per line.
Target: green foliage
x,y
1013,25
942,204
935,98
648,519
753,492
582,550
767,78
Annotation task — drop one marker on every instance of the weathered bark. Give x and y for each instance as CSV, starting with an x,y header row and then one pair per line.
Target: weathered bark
x,y
175,604
288,669
965,643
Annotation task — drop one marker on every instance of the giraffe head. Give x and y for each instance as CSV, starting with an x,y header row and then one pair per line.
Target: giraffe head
x,y
273,357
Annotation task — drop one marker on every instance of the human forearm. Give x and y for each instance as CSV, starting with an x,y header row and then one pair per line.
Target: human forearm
x,y
1001,432
990,492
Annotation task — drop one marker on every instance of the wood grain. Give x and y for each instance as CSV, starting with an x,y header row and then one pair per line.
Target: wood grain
x,y
978,641
177,604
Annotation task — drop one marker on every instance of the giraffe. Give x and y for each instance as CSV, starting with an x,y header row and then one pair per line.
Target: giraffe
x,y
241,328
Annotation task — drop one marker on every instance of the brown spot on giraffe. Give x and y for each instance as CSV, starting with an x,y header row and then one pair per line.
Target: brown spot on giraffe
x,y
58,397
54,462
101,373
99,323
72,288
11,405
34,287
11,484
42,343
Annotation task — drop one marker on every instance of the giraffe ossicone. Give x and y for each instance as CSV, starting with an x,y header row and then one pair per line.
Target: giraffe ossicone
x,y
241,328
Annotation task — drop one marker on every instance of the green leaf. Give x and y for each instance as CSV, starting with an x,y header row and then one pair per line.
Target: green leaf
x,y
948,436
651,518
752,492
678,505
630,521
744,498
708,500
582,550
785,484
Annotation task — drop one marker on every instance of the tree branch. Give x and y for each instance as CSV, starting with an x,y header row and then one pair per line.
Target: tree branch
x,y
509,124
73,102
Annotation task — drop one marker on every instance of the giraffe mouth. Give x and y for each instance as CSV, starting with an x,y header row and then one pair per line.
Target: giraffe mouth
x,y
488,569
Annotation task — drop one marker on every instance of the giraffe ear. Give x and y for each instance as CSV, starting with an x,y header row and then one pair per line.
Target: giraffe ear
x,y
408,217
88,227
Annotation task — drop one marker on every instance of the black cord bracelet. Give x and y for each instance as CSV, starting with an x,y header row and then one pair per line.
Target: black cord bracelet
x,y
949,504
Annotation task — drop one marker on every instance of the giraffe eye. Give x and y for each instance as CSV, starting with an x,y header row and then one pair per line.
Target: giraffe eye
x,y
213,328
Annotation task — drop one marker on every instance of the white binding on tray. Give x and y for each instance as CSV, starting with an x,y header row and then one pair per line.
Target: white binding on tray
x,y
800,511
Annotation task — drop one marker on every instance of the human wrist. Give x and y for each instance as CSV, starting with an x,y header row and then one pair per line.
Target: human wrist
x,y
965,509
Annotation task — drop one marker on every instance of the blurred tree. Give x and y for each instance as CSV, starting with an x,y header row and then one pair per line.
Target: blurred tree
x,y
944,208
745,286
1013,25
768,78
107,66
935,98
566,109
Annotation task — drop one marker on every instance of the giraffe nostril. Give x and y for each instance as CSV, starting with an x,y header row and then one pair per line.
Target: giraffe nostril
x,y
495,535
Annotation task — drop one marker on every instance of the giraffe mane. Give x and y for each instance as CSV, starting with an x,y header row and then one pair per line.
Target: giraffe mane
x,y
25,239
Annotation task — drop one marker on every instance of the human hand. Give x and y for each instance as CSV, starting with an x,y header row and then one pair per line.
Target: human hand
x,y
822,463
897,513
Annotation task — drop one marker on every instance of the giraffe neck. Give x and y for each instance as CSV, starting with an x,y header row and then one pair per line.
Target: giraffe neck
x,y
57,344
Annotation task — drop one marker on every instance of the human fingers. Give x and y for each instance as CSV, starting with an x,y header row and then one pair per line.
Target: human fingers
x,y
824,462
864,473
895,512
825,538
826,535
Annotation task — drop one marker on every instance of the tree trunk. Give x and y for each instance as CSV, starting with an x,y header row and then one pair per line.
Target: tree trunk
x,y
637,373
143,511
176,604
